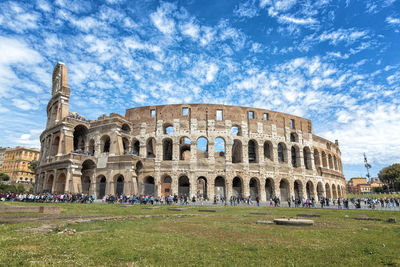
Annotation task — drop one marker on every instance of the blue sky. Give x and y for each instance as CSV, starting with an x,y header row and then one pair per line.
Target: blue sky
x,y
334,62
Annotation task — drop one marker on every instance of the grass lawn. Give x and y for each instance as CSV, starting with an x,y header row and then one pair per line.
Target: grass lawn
x,y
228,237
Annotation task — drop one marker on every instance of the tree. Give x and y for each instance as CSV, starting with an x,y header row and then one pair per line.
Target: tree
x,y
21,188
4,177
390,174
33,166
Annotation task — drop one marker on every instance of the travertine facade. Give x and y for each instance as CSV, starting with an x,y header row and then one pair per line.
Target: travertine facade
x,y
193,149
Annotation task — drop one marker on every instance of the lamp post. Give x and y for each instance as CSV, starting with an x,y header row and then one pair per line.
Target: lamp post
x,y
368,166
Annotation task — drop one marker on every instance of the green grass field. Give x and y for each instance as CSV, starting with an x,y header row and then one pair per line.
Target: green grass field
x,y
228,237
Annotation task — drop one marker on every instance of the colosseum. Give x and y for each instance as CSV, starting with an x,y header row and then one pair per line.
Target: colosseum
x,y
193,149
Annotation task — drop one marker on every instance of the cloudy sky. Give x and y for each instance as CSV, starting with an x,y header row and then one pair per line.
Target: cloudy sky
x,y
334,62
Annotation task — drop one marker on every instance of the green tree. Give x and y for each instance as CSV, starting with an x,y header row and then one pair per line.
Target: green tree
x,y
390,174
4,177
21,188
33,166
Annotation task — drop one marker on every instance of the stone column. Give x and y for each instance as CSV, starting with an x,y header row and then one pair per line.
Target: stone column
x,y
261,191
246,187
193,185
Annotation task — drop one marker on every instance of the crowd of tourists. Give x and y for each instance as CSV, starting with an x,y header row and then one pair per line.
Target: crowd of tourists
x,y
47,198
346,203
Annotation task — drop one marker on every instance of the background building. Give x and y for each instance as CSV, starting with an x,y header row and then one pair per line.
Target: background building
x,y
16,163
2,152
360,185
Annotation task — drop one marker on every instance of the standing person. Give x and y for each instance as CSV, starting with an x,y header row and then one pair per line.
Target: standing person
x,y
258,201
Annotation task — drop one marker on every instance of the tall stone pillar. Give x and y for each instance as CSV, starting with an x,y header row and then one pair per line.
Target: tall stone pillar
x,y
261,191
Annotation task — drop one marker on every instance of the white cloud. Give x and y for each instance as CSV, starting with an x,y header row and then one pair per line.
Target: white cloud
x,y
190,29
392,20
246,9
161,21
347,36
298,21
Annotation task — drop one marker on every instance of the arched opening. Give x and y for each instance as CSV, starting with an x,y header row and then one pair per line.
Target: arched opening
x,y
87,171
253,151
202,187
105,144
268,152
184,148
151,147
269,188
298,190
54,146
183,186
237,187
91,147
219,186
80,133
328,191
101,190
125,145
219,149
295,155
167,149
339,192
119,189
284,188
236,130
294,137
135,147
317,161
324,160
254,188
126,129
330,161
168,129
307,158
310,190
49,184
237,154
320,190
149,186
166,188
282,157
334,193
60,184
202,148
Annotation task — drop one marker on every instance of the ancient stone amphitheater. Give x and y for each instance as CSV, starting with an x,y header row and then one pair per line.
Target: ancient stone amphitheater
x,y
193,149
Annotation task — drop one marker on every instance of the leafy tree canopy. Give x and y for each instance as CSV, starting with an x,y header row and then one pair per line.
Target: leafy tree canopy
x,y
33,165
390,174
4,177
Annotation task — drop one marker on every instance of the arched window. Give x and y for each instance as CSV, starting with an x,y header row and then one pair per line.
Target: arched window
x,y
125,144
293,137
268,152
253,151
236,130
168,129
317,160
202,148
184,147
91,146
307,158
281,152
219,148
237,153
105,144
167,149
295,156
126,129
135,147
80,133
151,147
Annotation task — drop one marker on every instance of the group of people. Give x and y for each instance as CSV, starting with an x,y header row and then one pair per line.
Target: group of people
x,y
47,197
184,199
